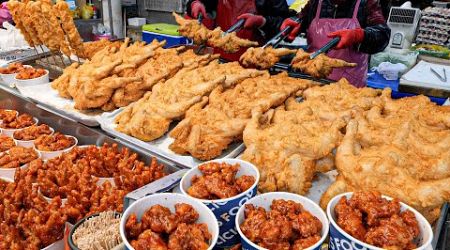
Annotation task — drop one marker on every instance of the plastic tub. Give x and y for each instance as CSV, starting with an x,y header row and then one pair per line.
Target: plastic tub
x,y
31,82
169,200
225,210
10,131
339,239
265,200
28,144
9,79
45,155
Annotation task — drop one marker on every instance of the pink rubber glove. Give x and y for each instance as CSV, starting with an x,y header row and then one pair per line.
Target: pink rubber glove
x,y
252,21
197,7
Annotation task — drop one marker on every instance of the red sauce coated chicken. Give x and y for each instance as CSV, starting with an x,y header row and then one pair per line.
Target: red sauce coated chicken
x,y
377,221
17,156
54,142
6,143
286,226
21,121
32,133
160,229
30,73
7,115
219,182
12,68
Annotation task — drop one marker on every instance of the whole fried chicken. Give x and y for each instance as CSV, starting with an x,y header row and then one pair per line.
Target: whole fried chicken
x,y
319,67
150,117
206,131
263,58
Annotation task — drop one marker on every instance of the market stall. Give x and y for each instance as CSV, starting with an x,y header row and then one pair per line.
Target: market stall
x,y
138,145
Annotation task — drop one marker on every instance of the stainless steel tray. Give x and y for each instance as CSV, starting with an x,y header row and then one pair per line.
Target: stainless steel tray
x,y
160,146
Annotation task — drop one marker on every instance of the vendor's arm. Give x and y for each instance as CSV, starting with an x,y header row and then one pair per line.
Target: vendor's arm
x,y
210,6
275,12
376,31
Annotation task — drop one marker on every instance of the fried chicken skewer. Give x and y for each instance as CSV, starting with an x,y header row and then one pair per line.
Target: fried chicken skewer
x,y
62,11
57,33
16,9
263,58
319,67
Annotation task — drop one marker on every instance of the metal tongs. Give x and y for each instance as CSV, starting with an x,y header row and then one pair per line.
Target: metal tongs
x,y
442,78
331,44
280,36
235,27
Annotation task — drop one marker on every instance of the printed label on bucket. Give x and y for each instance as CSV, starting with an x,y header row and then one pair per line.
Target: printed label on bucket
x,y
225,213
338,241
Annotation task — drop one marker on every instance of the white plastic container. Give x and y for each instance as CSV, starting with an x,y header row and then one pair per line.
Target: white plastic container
x,y
10,131
28,144
31,82
265,200
228,207
8,79
136,21
339,239
169,200
45,155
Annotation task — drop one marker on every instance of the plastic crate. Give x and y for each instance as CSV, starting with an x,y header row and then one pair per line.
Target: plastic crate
x,y
170,40
164,5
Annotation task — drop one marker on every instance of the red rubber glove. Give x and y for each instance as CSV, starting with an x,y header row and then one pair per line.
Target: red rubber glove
x,y
252,21
197,7
288,22
348,37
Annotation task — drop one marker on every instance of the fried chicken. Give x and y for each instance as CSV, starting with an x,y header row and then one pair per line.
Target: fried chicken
x,y
54,142
263,58
6,143
91,48
319,67
150,117
16,9
206,131
228,42
21,121
61,84
32,133
17,156
61,9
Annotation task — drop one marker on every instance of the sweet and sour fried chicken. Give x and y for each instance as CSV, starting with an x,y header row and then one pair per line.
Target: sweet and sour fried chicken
x,y
161,229
286,226
21,121
32,132
377,221
219,181
6,143
17,156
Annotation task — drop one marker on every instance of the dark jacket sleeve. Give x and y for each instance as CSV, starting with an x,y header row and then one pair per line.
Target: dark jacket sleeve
x,y
210,6
376,31
275,11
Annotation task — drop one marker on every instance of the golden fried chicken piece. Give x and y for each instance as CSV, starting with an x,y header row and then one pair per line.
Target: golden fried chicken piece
x,y
149,240
263,58
190,236
206,131
54,27
17,156
16,9
192,29
61,9
61,84
91,48
32,132
150,117
6,143
319,67
229,42
284,145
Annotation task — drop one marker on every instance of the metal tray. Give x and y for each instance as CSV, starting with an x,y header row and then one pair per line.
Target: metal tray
x,y
49,99
161,145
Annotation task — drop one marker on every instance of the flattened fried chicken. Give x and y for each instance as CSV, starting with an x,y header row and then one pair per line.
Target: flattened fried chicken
x,y
206,131
319,67
263,58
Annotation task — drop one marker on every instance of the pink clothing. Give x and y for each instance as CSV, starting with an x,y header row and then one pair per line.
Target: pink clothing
x,y
5,16
318,36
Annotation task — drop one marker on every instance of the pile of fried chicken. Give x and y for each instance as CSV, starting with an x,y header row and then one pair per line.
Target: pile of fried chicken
x,y
44,23
116,77
29,221
400,148
228,42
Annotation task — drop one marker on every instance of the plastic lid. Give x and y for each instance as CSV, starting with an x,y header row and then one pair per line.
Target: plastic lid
x,y
162,28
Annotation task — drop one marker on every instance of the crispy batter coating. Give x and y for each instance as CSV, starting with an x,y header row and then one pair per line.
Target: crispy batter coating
x,y
161,229
263,58
319,67
32,132
30,73
286,226
377,221
54,142
8,115
219,182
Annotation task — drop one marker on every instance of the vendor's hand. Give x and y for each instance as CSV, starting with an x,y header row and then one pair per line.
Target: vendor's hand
x,y
252,21
197,7
348,37
288,22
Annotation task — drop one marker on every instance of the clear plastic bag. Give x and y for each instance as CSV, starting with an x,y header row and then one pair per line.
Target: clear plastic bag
x,y
408,59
